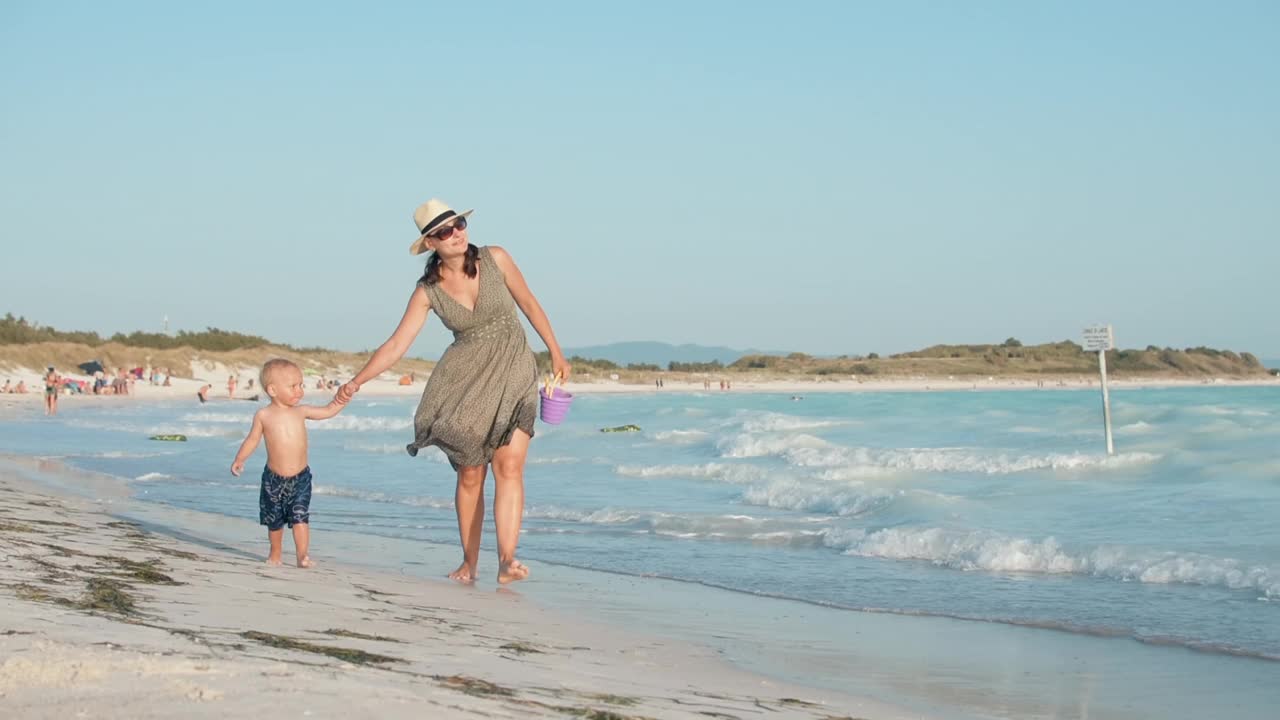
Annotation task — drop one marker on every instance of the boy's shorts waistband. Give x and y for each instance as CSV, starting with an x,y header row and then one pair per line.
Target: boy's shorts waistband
x,y
268,472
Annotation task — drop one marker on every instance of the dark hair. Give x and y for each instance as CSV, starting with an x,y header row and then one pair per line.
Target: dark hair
x,y
432,275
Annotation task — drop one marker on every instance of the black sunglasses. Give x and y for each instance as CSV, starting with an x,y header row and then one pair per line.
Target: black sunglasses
x,y
447,232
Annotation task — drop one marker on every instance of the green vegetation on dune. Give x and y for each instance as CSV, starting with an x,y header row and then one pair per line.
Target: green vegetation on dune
x,y
18,331
1010,358
26,344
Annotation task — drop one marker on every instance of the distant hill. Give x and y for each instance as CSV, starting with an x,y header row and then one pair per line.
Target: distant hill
x,y
660,353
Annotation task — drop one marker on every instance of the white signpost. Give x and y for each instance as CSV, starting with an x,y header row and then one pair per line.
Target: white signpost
x,y
1101,338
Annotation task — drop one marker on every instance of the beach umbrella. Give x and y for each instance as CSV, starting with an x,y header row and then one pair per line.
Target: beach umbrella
x,y
91,367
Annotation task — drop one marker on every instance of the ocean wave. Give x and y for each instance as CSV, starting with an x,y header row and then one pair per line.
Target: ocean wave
x,y
763,422
196,430
219,417
1228,411
146,477
805,497
808,451
993,552
363,424
749,446
123,454
728,472
726,527
681,437
379,497
553,460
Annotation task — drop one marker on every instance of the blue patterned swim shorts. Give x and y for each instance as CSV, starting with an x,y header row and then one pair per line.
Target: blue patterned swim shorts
x,y
284,499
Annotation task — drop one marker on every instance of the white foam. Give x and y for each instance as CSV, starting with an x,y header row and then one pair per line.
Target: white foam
x,y
808,451
152,476
378,497
681,437
362,424
762,422
748,445
993,552
726,472
553,460
218,417
804,497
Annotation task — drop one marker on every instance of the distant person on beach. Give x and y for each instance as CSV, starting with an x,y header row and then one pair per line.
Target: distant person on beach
x,y
7,388
481,399
51,383
203,393
231,386
285,496
21,389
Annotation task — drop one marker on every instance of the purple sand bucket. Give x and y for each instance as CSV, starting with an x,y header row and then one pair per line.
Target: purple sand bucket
x,y
553,409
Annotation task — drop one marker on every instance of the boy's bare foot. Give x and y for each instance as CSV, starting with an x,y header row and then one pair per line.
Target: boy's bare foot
x,y
464,574
512,572
274,561
306,562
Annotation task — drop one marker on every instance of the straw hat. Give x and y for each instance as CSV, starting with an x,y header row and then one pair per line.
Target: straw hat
x,y
429,217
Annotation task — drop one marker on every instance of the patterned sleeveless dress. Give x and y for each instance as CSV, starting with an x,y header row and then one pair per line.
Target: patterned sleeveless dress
x,y
486,382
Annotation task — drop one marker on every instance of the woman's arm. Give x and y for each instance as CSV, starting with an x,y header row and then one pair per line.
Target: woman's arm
x,y
387,354
529,306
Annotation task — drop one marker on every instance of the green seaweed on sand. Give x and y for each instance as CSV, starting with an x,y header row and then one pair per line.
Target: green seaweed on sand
x,y
171,552
33,593
610,699
132,530
146,572
6,526
473,686
359,636
797,702
521,648
358,657
107,595
597,714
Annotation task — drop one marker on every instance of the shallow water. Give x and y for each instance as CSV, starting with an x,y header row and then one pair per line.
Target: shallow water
x,y
997,508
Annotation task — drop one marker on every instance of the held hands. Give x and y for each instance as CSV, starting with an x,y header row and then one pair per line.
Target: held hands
x,y
346,392
237,467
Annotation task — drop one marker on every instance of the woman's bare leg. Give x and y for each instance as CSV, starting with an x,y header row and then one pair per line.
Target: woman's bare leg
x,y
508,504
468,502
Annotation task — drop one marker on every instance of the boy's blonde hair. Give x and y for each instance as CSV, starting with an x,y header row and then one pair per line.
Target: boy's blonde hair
x,y
270,367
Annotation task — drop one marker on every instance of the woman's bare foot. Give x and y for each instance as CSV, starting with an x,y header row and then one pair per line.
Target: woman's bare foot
x,y
464,574
305,562
274,561
511,572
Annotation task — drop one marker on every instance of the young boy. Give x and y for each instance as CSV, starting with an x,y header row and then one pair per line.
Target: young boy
x,y
286,480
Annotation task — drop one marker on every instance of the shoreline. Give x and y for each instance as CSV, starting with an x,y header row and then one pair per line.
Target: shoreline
x,y
112,615
386,385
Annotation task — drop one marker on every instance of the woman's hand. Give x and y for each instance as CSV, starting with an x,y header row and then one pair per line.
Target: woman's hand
x,y
561,367
346,392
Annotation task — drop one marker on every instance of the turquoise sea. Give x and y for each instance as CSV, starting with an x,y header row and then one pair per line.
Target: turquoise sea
x,y
972,554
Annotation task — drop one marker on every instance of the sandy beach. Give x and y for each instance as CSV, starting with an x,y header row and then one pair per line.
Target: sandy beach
x,y
387,385
103,618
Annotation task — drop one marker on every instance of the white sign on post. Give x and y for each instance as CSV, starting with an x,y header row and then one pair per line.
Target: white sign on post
x,y
1100,338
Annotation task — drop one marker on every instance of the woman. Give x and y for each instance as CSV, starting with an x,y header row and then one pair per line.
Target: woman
x,y
481,400
51,382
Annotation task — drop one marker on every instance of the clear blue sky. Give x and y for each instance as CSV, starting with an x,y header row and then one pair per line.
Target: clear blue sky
x,y
839,177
